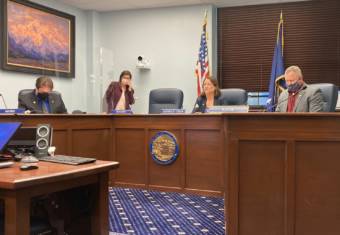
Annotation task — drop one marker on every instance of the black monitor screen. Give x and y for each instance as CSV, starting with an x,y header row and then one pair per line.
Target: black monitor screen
x,y
7,130
24,137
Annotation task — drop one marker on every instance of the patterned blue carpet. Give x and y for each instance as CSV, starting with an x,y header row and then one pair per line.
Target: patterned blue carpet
x,y
143,212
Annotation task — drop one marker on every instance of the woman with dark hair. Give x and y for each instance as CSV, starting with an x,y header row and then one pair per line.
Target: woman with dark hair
x,y
119,95
209,97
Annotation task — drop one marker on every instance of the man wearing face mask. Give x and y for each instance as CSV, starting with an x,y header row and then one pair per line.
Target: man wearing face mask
x,y
42,99
299,97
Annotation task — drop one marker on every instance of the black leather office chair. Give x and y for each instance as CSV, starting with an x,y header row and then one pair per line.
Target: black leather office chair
x,y
165,98
330,94
27,91
233,96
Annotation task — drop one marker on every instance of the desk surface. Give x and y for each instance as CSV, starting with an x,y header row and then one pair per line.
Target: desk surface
x,y
14,178
174,115
17,188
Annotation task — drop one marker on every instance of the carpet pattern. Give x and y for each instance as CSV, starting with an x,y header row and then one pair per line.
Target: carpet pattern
x,y
143,212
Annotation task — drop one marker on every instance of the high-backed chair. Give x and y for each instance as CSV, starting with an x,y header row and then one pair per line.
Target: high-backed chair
x,y
27,91
165,98
27,100
233,96
104,105
330,94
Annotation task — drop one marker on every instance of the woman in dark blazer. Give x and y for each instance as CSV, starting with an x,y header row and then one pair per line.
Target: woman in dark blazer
x,y
119,95
209,97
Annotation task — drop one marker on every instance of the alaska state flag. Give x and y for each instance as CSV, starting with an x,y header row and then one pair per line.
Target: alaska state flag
x,y
277,82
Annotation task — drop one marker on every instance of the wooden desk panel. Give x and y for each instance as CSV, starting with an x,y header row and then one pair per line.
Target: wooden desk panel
x,y
279,172
79,135
130,148
201,144
317,198
60,140
282,174
126,139
204,162
17,188
170,176
92,142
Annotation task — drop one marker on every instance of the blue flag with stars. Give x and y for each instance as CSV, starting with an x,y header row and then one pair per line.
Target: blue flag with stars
x,y
277,82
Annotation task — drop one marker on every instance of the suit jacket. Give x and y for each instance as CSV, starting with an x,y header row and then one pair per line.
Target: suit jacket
x,y
310,99
200,105
29,101
113,94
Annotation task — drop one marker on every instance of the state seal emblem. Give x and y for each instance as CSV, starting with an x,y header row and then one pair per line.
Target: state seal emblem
x,y
164,148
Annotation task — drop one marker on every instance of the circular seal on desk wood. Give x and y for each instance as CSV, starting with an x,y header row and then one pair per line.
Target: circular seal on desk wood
x,y
164,148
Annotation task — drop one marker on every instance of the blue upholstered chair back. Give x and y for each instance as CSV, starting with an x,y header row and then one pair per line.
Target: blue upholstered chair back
x,y
233,96
330,94
165,98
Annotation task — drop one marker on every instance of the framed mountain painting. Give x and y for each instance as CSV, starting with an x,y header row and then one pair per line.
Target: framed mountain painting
x,y
37,39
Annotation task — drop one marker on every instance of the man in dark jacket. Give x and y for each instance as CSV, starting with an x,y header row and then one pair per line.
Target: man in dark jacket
x,y
41,99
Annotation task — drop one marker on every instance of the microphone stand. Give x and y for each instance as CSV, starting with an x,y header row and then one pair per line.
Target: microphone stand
x,y
294,94
3,100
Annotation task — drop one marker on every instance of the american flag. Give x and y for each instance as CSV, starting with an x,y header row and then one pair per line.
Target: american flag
x,y
202,65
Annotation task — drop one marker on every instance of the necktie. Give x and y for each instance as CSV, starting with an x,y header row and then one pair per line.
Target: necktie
x,y
44,107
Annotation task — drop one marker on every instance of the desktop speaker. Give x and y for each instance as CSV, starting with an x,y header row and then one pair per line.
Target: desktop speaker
x,y
43,139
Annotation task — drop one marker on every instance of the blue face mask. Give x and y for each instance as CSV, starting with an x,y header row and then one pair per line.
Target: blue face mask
x,y
292,88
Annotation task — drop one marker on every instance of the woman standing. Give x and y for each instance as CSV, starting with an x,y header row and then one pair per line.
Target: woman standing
x,y
119,95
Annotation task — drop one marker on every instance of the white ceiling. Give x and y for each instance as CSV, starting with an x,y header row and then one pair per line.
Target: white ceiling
x,y
116,5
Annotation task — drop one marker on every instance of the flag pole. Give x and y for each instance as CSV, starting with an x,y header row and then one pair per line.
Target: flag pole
x,y
207,36
202,69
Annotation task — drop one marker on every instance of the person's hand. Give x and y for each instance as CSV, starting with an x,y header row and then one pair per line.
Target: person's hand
x,y
130,85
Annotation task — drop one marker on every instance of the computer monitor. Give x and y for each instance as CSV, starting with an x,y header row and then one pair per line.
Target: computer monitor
x,y
7,130
257,99
263,98
25,137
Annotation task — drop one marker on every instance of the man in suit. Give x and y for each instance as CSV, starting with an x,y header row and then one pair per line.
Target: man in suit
x,y
299,97
42,99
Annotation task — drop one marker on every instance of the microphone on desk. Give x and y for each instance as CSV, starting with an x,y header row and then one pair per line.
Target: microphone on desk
x,y
3,100
274,105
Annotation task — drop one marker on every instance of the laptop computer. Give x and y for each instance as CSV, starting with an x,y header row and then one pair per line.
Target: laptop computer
x,y
7,130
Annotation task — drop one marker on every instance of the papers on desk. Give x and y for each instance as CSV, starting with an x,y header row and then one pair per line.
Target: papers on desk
x,y
9,111
228,109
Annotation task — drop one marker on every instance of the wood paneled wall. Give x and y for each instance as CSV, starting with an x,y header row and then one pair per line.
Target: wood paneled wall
x,y
247,36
